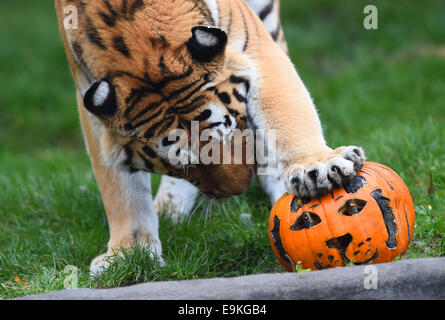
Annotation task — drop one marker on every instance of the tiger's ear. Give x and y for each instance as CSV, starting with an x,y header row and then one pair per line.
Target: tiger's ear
x,y
100,99
207,43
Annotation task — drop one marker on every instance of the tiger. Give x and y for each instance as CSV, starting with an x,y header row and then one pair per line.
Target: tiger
x,y
145,68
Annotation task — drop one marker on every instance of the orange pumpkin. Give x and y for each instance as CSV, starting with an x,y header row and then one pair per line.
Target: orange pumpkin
x,y
369,221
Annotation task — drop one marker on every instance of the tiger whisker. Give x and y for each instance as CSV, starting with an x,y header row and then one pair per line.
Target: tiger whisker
x,y
197,206
208,212
226,213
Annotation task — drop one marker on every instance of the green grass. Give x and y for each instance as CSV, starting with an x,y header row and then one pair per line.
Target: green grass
x,y
381,89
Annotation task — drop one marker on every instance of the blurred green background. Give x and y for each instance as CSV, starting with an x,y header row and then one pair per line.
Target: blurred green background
x,y
381,89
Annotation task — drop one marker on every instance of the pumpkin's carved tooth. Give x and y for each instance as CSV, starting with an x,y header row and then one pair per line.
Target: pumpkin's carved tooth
x,y
319,267
368,261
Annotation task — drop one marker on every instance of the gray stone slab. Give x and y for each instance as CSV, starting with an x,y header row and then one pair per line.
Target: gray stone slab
x,y
406,279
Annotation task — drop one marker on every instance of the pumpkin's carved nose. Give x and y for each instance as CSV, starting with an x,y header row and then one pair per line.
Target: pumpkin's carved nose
x,y
340,243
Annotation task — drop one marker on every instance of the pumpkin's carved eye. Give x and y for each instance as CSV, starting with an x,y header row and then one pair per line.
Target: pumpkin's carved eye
x,y
352,207
305,221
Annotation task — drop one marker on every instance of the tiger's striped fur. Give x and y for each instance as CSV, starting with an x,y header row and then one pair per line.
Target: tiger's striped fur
x,y
146,67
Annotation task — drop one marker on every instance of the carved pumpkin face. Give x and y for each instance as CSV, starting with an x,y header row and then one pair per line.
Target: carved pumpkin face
x,y
370,221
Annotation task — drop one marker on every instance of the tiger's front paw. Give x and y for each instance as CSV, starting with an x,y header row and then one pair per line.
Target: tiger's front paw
x,y
103,261
335,168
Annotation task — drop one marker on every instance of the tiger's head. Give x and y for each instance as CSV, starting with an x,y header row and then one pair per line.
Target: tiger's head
x,y
145,69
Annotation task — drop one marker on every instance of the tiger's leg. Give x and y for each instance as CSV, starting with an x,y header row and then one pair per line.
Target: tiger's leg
x,y
269,13
176,197
309,166
273,184
127,200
